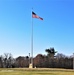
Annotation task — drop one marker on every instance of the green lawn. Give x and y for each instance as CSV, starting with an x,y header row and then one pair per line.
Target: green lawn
x,y
38,71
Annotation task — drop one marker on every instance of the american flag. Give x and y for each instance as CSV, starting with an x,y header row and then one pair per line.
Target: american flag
x,y
36,16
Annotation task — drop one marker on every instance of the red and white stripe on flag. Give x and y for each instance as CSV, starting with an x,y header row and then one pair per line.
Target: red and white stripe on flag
x,y
36,16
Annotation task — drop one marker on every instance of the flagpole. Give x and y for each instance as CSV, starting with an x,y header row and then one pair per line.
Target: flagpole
x,y
32,43
33,16
31,64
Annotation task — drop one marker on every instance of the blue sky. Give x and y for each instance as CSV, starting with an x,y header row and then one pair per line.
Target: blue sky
x,y
56,30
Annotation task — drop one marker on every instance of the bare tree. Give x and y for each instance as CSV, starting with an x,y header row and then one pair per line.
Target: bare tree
x,y
8,60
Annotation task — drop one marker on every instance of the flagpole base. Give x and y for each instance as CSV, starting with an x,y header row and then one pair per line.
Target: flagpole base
x,y
30,65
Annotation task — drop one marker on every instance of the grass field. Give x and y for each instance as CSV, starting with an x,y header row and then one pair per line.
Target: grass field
x,y
38,71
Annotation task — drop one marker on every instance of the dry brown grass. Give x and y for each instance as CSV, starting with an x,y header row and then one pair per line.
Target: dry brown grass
x,y
36,71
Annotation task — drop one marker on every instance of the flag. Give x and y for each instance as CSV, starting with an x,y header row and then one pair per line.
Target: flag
x,y
36,16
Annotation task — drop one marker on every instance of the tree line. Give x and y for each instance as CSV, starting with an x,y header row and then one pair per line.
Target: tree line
x,y
40,61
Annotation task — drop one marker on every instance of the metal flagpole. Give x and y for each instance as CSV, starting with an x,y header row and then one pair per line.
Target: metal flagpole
x,y
31,64
32,44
